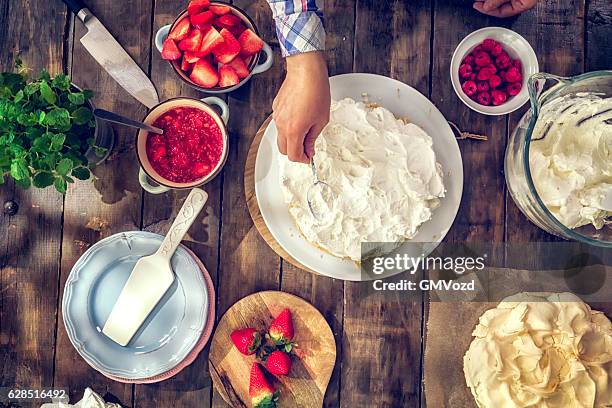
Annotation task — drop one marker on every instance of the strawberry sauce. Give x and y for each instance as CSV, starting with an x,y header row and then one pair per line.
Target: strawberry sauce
x,y
190,148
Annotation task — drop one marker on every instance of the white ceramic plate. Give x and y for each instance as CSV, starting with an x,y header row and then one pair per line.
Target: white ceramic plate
x,y
405,102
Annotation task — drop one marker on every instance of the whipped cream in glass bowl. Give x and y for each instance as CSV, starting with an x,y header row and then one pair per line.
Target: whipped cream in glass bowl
x,y
558,162
384,175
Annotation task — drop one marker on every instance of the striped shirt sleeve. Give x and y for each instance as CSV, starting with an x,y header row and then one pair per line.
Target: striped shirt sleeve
x,y
299,26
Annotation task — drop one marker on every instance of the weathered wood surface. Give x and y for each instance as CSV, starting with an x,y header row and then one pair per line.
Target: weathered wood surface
x,y
379,338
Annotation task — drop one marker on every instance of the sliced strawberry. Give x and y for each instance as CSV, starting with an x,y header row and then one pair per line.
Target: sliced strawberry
x,y
180,30
227,20
190,57
240,67
211,39
170,51
185,65
229,49
192,42
219,9
237,30
250,43
204,74
197,6
228,76
202,19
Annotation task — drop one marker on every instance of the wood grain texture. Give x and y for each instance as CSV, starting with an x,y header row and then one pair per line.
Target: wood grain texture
x,y
305,385
246,263
598,34
391,38
30,240
564,56
192,386
112,203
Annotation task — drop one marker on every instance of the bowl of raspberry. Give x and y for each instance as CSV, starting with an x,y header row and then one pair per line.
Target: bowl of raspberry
x,y
192,149
214,47
490,68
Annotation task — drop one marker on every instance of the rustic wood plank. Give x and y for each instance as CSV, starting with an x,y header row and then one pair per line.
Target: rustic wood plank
x,y
31,240
563,21
191,387
381,346
598,34
246,263
325,293
112,203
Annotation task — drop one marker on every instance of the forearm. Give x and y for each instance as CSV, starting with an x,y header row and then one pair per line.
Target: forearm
x,y
299,26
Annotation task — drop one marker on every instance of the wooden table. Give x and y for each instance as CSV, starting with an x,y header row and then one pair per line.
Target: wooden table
x,y
379,339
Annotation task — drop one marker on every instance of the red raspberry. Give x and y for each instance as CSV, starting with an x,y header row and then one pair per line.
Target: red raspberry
x,y
497,50
492,68
484,75
488,44
513,75
469,59
499,97
514,88
469,87
482,59
477,49
476,68
465,71
483,86
484,98
473,77
503,61
517,64
495,81
502,75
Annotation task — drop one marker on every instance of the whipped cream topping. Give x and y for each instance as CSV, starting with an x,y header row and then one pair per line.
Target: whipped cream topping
x,y
571,163
383,173
541,350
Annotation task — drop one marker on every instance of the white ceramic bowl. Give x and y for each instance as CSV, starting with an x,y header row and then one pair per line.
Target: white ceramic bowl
x,y
516,47
404,102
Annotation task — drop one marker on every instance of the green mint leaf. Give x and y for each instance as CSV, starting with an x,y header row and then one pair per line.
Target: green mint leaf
x,y
76,98
82,173
82,115
59,117
47,93
57,142
88,94
64,166
19,96
60,185
41,117
25,183
69,179
62,82
31,89
43,179
19,169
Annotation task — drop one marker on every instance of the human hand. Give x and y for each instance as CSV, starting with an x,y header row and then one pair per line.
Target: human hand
x,y
503,8
301,108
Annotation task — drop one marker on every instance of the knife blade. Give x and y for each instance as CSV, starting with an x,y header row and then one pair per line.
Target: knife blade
x,y
113,58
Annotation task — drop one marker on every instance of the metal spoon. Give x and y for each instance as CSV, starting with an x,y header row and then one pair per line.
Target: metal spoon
x,y
319,197
122,120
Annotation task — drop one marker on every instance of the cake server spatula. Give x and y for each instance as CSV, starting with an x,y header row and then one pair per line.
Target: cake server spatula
x,y
151,277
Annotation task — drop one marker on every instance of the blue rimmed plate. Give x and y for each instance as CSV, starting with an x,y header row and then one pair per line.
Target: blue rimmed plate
x,y
167,336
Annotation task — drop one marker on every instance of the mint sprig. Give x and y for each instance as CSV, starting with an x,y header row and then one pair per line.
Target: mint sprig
x,y
46,127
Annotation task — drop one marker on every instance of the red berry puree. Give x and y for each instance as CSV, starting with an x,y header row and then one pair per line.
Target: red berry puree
x,y
190,148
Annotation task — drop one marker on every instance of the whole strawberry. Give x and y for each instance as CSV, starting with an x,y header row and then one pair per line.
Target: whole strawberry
x,y
247,341
262,394
278,363
281,328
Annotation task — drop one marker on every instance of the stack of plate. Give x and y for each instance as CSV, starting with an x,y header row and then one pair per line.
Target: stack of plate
x,y
171,337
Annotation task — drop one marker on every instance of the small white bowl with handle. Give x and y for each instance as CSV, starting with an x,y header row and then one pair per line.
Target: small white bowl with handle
x,y
257,65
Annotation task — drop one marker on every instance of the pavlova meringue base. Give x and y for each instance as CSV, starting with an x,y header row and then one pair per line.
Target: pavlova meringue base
x,y
541,350
383,173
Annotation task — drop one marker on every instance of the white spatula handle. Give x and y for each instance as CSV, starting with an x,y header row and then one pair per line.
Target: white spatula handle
x,y
187,214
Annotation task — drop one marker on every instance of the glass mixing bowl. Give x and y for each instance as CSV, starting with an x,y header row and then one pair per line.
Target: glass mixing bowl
x,y
517,167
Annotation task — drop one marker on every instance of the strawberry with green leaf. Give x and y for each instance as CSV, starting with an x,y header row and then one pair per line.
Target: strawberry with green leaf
x,y
247,341
263,395
281,330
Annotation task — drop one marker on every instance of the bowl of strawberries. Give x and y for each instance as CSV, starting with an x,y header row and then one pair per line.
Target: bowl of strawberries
x,y
214,47
490,68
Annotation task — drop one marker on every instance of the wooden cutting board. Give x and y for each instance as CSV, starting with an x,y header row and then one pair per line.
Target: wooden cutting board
x,y
305,385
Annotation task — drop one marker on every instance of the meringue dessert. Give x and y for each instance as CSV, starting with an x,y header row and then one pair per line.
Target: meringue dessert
x,y
382,171
570,158
541,350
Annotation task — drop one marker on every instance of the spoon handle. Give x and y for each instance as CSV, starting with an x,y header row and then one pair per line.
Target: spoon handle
x,y
186,216
122,120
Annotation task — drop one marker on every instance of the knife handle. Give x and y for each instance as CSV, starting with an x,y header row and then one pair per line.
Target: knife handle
x,y
75,5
